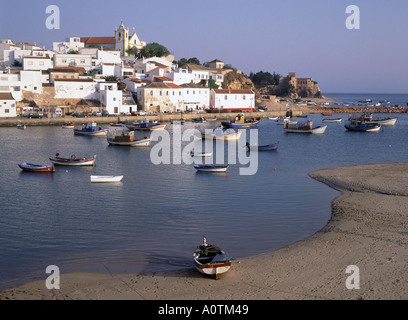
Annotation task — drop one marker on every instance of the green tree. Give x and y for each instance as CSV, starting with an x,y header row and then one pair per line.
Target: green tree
x,y
212,84
262,79
183,61
72,51
132,51
153,50
111,78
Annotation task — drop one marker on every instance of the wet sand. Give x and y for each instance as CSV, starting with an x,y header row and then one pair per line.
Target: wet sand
x,y
368,229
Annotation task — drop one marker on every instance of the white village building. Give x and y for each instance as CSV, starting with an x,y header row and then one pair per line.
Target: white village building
x,y
72,43
7,105
229,99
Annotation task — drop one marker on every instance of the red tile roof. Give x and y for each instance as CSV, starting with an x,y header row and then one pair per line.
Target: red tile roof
x,y
6,96
98,40
233,91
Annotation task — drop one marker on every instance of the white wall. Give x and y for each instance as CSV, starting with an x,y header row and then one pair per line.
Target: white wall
x,y
8,108
75,90
73,60
232,99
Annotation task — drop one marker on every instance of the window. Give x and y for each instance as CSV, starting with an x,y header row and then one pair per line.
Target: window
x,y
151,92
6,110
82,60
114,99
160,93
225,97
64,60
81,87
243,97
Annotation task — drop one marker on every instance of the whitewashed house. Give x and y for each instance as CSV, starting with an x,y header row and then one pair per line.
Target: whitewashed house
x,y
195,97
7,105
75,89
37,62
160,97
73,60
72,43
10,82
229,99
112,98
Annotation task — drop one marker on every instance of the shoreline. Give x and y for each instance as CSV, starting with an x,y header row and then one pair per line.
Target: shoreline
x,y
368,228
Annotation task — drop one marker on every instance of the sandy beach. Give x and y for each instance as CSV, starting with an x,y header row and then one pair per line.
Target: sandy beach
x,y
368,229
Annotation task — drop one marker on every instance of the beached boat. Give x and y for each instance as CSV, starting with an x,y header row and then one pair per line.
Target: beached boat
x,y
241,122
68,125
146,125
220,134
268,147
73,160
25,166
125,137
203,154
338,120
211,259
306,127
211,168
105,179
361,126
91,129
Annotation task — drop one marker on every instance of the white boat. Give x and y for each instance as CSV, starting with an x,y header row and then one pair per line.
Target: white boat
x,y
338,120
103,179
306,127
21,126
273,118
220,134
385,121
210,259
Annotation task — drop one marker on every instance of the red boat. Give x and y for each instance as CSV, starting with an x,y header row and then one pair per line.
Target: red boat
x,y
25,166
327,114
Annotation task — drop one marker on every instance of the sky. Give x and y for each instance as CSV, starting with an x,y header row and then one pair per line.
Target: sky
x,y
309,38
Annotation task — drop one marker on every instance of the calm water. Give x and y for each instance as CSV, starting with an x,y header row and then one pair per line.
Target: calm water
x,y
354,98
156,216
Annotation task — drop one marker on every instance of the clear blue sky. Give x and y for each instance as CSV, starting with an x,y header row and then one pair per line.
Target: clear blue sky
x,y
306,37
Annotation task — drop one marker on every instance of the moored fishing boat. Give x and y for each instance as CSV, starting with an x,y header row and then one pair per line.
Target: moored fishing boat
x,y
68,125
326,114
174,121
361,126
268,147
146,125
21,126
211,259
73,160
125,137
220,134
241,122
31,167
105,179
306,127
198,120
91,129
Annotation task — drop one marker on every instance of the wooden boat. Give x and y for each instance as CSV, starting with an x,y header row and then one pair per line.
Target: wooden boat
x,y
368,118
146,125
204,154
326,114
219,134
25,166
125,137
68,125
241,122
21,126
361,126
91,129
211,168
73,161
268,147
306,127
332,120
273,118
105,179
210,259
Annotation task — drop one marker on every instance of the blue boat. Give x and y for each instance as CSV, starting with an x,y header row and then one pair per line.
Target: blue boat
x,y
361,126
91,129
268,147
25,166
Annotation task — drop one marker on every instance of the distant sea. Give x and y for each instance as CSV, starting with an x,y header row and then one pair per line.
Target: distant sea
x,y
354,98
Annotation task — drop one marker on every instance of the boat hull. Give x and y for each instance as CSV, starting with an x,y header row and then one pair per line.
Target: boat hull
x,y
25,166
384,122
316,130
362,126
135,143
240,125
106,179
231,136
212,269
73,162
269,147
147,128
332,120
91,133
210,168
